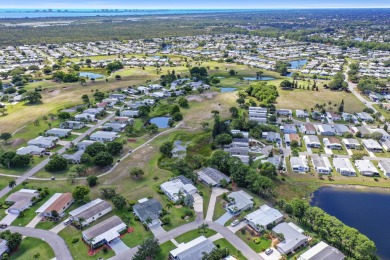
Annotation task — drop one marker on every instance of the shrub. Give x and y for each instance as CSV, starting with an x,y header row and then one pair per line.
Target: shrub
x,y
105,250
256,240
75,240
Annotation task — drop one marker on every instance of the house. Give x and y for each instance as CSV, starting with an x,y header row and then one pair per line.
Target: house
x,y
84,117
148,211
59,202
239,132
84,144
341,129
289,129
192,250
105,232
74,158
333,116
321,164
278,161
271,136
284,112
3,247
312,141
351,143
31,150
93,111
114,127
384,166
293,238
119,97
212,176
44,142
301,114
386,145
322,251
58,132
372,145
122,120
90,212
103,136
75,125
308,129
299,164
129,113
385,135
264,217
177,186
344,166
258,114
366,168
288,138
332,143
366,117
240,142
239,201
325,130
21,200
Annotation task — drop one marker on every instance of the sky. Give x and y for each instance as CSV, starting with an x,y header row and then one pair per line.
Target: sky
x,y
197,4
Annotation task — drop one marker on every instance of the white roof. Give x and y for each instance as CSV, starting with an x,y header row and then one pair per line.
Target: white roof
x,y
264,216
48,203
85,207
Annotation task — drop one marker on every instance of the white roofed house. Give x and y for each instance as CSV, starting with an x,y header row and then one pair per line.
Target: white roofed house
x,y
312,141
75,125
264,217
384,166
322,251
301,114
385,135
293,238
59,132
44,142
372,145
332,143
94,111
148,210
129,113
366,168
21,200
31,149
239,201
105,232
3,247
192,250
299,164
84,117
75,157
258,114
326,130
90,212
351,143
344,166
84,144
114,127
103,136
321,164
179,189
272,136
366,117
386,145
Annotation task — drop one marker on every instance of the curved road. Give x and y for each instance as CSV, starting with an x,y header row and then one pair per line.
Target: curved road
x,y
58,245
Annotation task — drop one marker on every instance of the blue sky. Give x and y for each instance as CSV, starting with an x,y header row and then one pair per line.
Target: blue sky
x,y
197,4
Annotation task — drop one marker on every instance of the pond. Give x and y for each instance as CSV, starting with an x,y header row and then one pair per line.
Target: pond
x,y
260,78
179,149
297,64
91,75
223,90
161,121
368,212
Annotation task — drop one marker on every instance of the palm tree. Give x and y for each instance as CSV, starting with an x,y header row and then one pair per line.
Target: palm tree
x,y
127,218
12,183
168,206
81,222
203,227
180,196
36,256
148,221
90,242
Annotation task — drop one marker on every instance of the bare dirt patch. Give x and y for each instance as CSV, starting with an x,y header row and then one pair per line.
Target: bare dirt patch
x,y
202,97
18,141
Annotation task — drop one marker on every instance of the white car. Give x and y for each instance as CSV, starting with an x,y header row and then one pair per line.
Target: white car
x,y
235,223
269,251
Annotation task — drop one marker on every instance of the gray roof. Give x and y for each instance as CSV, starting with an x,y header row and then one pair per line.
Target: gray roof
x,y
241,199
193,249
385,166
212,176
341,128
292,237
21,199
322,251
102,227
91,211
148,209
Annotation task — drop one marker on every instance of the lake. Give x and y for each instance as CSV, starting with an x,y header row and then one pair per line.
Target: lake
x,y
297,64
223,90
161,121
91,75
179,149
262,78
368,212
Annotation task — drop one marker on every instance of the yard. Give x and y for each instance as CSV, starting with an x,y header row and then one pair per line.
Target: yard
x,y
223,243
191,235
219,209
165,249
31,246
263,243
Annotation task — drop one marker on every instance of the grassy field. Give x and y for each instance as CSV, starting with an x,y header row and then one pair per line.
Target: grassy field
x,y
165,249
191,235
232,250
249,239
31,246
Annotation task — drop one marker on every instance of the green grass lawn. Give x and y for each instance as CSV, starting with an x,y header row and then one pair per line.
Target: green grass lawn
x,y
165,249
232,250
219,209
79,250
138,236
175,214
249,239
191,235
31,246
29,214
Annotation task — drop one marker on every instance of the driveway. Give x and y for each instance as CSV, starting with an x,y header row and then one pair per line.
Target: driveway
x,y
224,218
58,228
34,222
274,256
198,203
8,219
118,246
213,198
58,245
238,227
157,230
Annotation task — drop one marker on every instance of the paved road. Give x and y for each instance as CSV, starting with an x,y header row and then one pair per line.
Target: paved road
x,y
39,166
56,242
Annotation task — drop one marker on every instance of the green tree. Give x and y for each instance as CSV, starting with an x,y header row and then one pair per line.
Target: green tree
x,y
152,129
166,149
56,164
85,99
32,97
95,148
80,192
114,148
92,180
119,201
183,102
5,136
223,139
11,184
136,173
147,250
234,112
103,159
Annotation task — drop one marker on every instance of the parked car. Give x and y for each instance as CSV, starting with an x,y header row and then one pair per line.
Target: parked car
x,y
269,251
2,226
235,223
